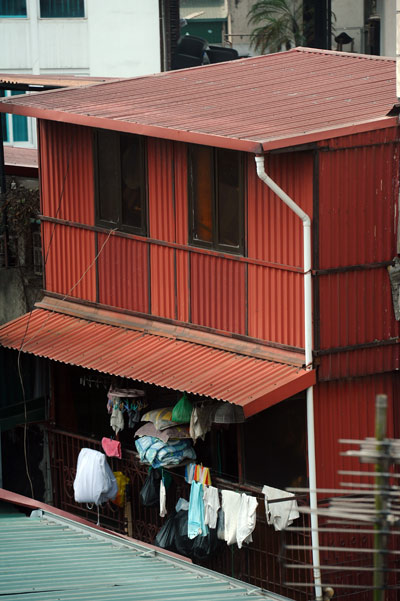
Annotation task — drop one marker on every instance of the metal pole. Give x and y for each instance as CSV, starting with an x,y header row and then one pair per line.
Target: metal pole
x,y
381,482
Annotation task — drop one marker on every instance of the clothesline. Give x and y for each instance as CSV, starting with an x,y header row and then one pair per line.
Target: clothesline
x,y
238,490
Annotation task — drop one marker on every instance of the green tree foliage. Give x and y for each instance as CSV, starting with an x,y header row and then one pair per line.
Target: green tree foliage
x,y
277,24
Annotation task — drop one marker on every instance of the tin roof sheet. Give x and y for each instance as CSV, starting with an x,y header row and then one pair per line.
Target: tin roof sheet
x,y
254,104
53,557
250,382
14,156
45,81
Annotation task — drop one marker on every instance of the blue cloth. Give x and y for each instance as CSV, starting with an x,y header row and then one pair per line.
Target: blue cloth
x,y
196,525
158,453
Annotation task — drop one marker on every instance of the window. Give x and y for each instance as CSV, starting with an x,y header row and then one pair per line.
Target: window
x,y
62,9
216,194
12,8
16,129
121,181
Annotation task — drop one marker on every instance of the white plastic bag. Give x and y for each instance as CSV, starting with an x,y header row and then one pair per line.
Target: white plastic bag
x,y
94,481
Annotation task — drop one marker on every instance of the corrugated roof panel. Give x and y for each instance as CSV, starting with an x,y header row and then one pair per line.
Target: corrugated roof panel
x,y
253,104
57,558
253,383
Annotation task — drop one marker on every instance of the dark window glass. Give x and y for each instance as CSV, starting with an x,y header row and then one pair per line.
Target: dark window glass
x,y
202,185
132,179
229,192
216,193
121,190
108,176
62,9
12,8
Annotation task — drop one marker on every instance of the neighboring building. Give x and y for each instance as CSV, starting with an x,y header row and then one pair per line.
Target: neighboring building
x,y
206,19
171,266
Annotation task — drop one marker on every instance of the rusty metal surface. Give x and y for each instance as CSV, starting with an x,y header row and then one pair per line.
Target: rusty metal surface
x,y
346,409
358,221
66,172
254,384
123,273
160,189
70,261
253,104
162,281
218,293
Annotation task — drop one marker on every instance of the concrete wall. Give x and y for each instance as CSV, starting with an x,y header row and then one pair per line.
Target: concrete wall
x,y
237,11
115,39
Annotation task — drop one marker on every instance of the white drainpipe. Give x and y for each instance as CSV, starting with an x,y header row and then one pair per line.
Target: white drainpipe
x,y
308,361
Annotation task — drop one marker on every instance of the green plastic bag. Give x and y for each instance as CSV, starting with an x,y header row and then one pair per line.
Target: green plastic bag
x,y
182,411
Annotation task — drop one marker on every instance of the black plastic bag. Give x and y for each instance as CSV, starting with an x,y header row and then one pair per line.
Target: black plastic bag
x,y
166,535
183,543
150,493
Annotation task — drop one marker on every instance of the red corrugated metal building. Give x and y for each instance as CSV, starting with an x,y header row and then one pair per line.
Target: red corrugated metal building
x,y
185,282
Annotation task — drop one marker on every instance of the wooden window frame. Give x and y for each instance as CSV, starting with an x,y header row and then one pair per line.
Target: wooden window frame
x,y
123,227
215,244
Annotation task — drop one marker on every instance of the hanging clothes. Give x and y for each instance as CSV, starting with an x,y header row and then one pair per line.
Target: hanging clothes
x,y
202,475
246,519
281,514
163,499
196,525
211,506
117,420
231,506
201,421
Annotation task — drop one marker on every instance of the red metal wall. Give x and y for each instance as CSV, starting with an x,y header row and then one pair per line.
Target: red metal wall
x,y
70,261
66,172
346,409
358,190
275,235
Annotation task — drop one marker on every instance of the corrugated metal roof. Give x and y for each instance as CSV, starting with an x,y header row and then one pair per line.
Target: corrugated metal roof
x,y
20,157
51,557
252,104
210,9
253,383
57,81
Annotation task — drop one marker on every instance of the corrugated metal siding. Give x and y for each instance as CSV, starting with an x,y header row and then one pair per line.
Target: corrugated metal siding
x,y
182,285
346,409
252,383
162,262
66,171
160,186
123,273
275,234
357,201
358,192
218,293
276,305
70,252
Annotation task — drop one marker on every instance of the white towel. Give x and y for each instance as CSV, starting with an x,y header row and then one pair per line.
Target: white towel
x,y
211,505
280,515
231,506
246,519
163,499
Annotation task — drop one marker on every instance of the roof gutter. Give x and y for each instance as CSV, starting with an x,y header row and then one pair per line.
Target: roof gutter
x,y
308,362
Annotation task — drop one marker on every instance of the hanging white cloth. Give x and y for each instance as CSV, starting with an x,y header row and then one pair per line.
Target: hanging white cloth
x,y
200,422
280,514
246,519
163,499
211,505
94,481
117,420
231,506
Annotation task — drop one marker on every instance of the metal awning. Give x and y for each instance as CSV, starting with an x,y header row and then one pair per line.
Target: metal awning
x,y
163,360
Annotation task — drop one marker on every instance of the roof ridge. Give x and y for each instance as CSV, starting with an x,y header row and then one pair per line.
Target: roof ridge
x,y
340,53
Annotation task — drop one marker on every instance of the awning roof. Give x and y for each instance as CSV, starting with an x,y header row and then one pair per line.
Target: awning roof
x,y
164,360
55,555
254,104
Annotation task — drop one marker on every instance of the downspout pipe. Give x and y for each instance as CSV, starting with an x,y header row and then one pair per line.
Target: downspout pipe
x,y
308,362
